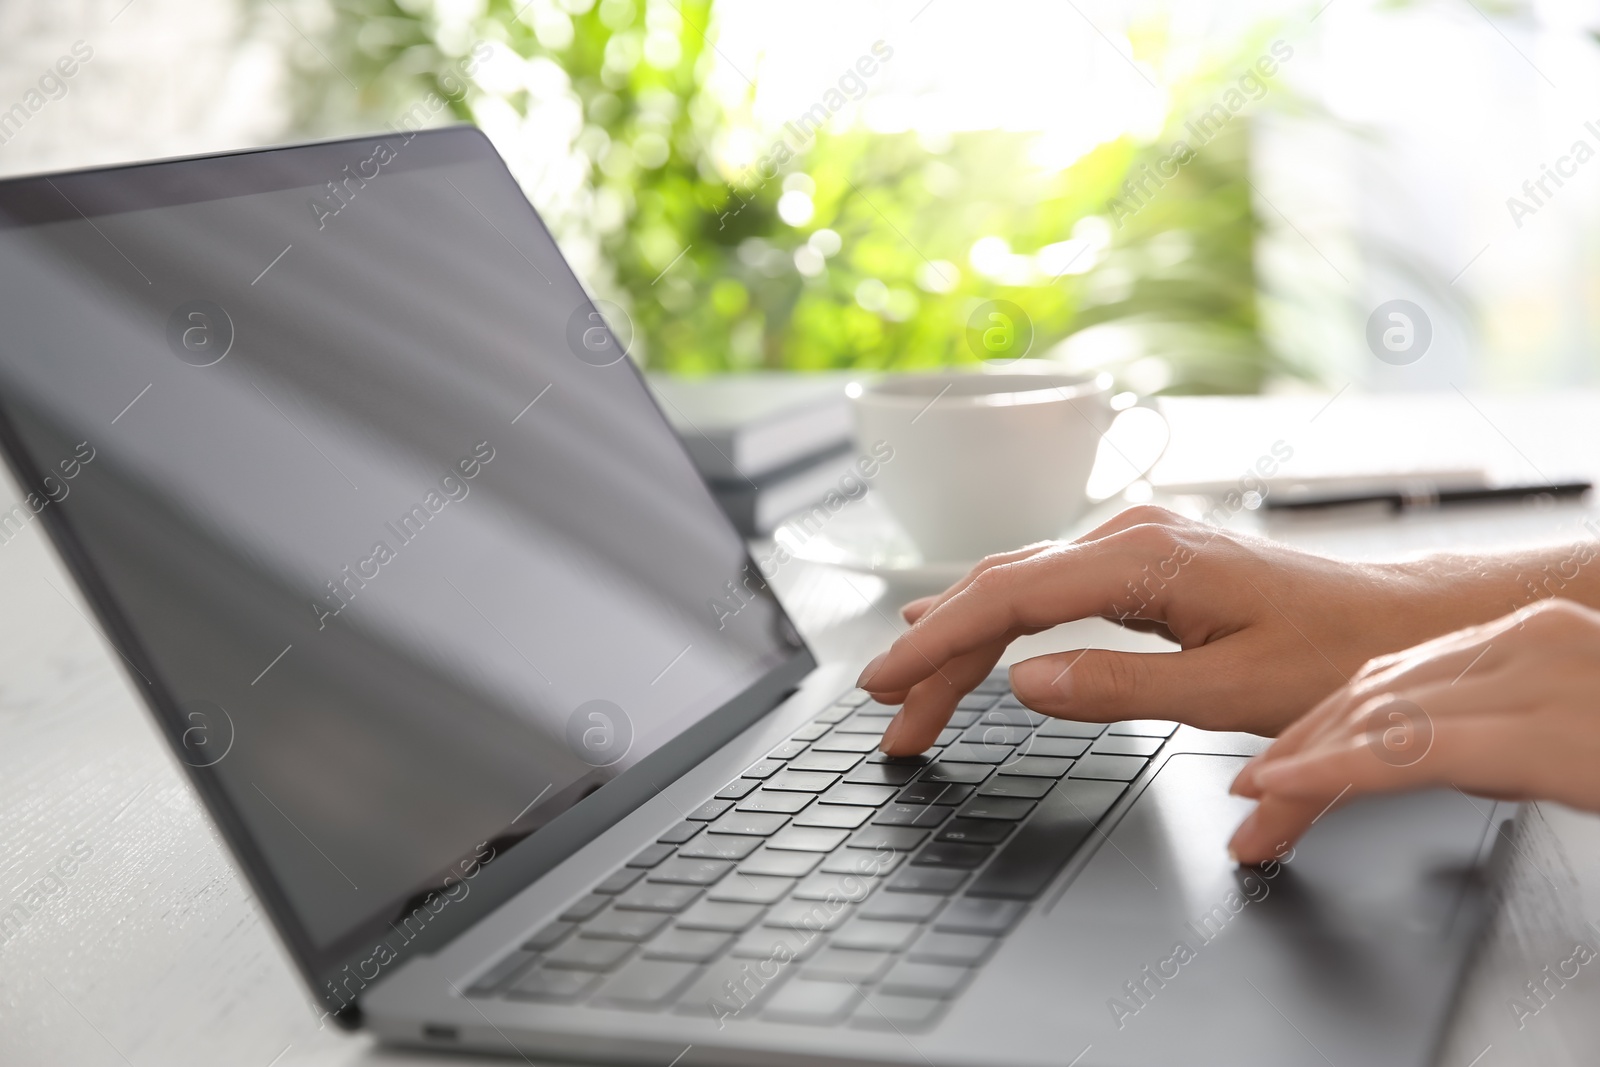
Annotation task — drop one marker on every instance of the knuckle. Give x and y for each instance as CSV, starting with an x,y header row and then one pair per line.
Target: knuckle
x,y
1151,515
1149,539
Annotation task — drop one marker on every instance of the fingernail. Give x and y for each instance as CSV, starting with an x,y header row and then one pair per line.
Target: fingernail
x,y
1243,780
890,732
870,670
1040,682
1234,856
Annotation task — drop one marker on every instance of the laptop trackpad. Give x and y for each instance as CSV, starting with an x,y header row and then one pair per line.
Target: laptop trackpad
x,y
1162,948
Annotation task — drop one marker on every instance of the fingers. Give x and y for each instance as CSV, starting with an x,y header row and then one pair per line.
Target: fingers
x,y
915,609
930,703
1476,753
1095,685
1050,586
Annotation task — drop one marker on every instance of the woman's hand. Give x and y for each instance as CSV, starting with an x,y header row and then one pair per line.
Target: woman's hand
x,y
1510,710
1264,631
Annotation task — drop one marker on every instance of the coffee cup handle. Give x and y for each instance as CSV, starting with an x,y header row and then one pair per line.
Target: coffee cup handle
x,y
1149,404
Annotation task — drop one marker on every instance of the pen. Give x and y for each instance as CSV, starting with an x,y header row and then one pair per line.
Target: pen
x,y
1423,496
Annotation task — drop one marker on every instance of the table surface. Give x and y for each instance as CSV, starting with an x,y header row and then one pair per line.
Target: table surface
x,y
152,950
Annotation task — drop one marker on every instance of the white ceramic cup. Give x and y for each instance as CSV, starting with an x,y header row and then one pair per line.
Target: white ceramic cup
x,y
985,462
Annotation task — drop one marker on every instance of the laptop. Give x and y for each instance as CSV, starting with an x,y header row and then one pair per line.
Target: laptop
x,y
518,750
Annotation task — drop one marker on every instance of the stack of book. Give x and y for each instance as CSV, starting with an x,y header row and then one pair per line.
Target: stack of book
x,y
769,444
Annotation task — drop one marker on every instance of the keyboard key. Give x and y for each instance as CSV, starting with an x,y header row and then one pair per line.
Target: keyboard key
x,y
624,926
998,683
933,793
812,1003
787,750
588,954
1109,768
863,795
549,936
847,965
585,909
619,881
811,731
837,742
720,847
1117,745
912,979
1009,712
974,831
501,973
856,698
544,983
679,833
766,943
646,984
902,907
872,707
751,889
875,935
689,946
963,773
922,816
1068,728
852,887
749,823
1037,767
960,720
977,701
880,1011
834,762
720,916
965,950
1030,788
838,816
862,724
962,752
729,988
833,714
969,915
1056,747
1143,728
815,916
961,857
710,810
801,781
1010,808
895,774
651,855
783,864
737,789
867,863
926,880
895,838
763,768
808,839
1062,822
947,736
994,733
766,800
658,896
681,870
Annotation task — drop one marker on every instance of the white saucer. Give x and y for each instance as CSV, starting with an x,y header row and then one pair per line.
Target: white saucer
x,y
863,537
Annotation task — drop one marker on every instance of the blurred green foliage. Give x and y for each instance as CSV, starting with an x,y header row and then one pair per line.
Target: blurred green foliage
x,y
877,265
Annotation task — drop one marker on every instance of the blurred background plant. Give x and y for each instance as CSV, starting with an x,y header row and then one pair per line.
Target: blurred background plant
x,y
867,249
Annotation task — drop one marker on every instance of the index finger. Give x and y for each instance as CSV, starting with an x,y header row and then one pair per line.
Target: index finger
x,y
1055,585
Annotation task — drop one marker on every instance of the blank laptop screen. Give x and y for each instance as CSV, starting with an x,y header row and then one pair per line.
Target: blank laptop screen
x,y
372,500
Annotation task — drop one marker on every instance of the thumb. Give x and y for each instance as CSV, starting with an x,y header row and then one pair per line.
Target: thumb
x,y
1096,685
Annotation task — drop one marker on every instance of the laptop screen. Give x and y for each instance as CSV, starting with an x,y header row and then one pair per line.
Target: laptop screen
x,y
368,501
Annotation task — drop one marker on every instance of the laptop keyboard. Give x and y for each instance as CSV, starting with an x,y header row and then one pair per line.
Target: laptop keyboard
x,y
830,884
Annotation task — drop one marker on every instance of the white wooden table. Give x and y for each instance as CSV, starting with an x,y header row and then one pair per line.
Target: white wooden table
x,y
127,938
